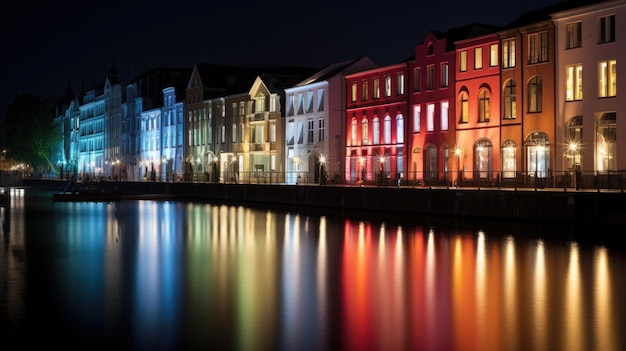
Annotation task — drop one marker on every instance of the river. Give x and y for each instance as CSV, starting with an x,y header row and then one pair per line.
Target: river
x,y
165,275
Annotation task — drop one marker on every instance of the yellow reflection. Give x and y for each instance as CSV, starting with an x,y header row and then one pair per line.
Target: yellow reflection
x,y
511,327
322,275
605,333
540,324
574,336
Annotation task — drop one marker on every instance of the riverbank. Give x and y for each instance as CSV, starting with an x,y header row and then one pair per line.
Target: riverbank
x,y
548,205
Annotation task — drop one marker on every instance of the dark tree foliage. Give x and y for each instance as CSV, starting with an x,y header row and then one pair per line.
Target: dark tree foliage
x,y
31,131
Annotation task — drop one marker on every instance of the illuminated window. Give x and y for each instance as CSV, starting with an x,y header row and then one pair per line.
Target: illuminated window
x,y
310,131
353,132
387,130
242,108
300,103
400,83
510,100
493,55
234,133
376,93
574,82
399,129
309,102
538,47
320,130
430,117
364,131
607,29
508,159
463,61
574,138
508,53
353,94
364,90
573,35
417,110
430,162
607,78
483,106
463,107
483,158
478,58
444,75
606,155
376,131
417,79
387,86
320,99
444,115
535,95
430,77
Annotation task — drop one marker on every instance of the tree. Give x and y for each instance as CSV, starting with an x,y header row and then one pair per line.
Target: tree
x,y
31,131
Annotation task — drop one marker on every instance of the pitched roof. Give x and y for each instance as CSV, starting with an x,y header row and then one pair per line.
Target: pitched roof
x,y
329,71
544,13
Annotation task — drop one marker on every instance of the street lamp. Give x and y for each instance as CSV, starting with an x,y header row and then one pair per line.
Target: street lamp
x,y
322,159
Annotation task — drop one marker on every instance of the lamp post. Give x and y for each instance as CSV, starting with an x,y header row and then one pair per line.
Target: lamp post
x,y
573,150
322,160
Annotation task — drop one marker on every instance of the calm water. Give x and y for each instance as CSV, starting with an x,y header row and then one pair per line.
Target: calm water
x,y
145,275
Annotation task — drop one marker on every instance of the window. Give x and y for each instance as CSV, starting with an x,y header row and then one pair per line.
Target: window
x,y
478,58
508,159
508,53
300,103
444,75
493,55
417,109
353,95
300,132
376,93
430,77
376,131
320,99
417,79
538,47
241,132
353,132
387,130
483,159
483,106
607,29
364,131
463,61
463,107
290,107
538,154
444,115
242,108
234,105
430,162
607,78
399,129
364,90
573,139
534,95
290,133
400,83
510,100
430,117
606,152
310,131
320,130
387,86
573,35
574,82
309,102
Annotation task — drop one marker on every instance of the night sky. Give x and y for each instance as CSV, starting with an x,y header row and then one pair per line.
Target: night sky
x,y
46,45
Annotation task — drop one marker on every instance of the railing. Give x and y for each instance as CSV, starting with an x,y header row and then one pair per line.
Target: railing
x,y
568,180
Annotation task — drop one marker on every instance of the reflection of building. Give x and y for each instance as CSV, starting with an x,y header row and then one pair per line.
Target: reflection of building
x,y
589,48
314,121
376,106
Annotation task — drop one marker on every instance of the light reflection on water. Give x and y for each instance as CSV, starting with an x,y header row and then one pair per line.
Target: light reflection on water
x,y
172,276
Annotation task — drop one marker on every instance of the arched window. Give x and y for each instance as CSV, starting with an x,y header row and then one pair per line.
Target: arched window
x,y
483,106
430,162
534,94
387,130
399,129
508,159
510,100
463,107
538,153
483,159
353,132
431,49
376,130
606,155
364,131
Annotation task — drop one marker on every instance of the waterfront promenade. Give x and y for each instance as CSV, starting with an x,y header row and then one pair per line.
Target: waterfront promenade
x,y
566,205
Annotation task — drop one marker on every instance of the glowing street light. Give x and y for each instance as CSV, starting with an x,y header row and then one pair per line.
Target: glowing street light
x,y
457,152
322,159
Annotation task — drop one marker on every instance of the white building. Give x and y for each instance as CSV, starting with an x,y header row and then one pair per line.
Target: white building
x,y
590,125
314,118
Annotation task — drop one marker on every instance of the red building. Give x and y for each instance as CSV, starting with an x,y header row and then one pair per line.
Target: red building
x,y
432,126
376,109
477,111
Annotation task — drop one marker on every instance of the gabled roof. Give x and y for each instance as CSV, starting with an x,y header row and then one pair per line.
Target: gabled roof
x,y
544,13
329,71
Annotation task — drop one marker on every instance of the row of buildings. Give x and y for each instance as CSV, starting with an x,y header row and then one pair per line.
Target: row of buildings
x,y
476,103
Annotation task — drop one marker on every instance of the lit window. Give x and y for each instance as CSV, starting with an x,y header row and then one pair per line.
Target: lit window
x,y
510,100
376,92
310,131
607,78
538,47
387,86
364,131
444,75
417,109
483,106
535,95
400,83
493,55
399,129
478,58
606,152
573,35
463,107
444,115
376,131
353,95
430,117
353,132
363,90
463,61
387,130
607,29
574,82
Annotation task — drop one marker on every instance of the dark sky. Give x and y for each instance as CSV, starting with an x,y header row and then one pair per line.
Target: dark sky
x,y
45,45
